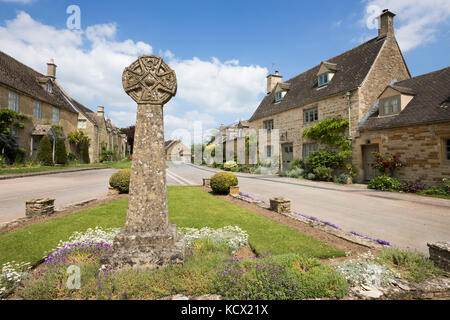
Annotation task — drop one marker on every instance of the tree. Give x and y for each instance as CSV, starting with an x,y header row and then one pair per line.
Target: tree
x,y
61,152
129,132
79,138
8,143
85,152
45,152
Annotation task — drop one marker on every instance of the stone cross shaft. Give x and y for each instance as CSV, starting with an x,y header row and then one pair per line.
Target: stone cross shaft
x,y
148,240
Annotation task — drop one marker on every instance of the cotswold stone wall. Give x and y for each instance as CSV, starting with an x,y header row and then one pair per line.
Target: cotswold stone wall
x,y
421,147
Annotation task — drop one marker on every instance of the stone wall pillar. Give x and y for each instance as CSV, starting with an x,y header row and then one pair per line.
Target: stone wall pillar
x,y
440,254
280,205
39,207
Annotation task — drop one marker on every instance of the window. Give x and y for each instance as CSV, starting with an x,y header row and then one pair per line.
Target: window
x,y
13,101
390,105
268,125
55,115
447,145
311,115
268,151
308,148
37,111
49,87
81,123
278,96
323,79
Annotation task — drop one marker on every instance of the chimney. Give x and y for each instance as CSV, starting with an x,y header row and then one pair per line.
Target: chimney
x,y
101,111
386,24
51,70
272,81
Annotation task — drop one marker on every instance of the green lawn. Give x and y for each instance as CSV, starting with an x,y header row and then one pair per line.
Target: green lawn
x,y
188,207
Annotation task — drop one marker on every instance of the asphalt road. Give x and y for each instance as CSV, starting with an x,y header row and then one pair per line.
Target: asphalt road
x,y
405,220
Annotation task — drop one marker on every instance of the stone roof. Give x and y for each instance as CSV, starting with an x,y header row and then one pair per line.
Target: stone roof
x,y
88,113
20,77
431,102
351,69
170,143
42,130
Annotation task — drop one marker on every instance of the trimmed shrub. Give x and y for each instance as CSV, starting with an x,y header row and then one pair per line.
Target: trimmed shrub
x,y
71,156
222,181
297,163
384,183
412,186
323,173
121,180
45,152
61,152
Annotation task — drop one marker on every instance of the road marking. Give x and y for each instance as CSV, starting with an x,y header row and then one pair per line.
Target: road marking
x,y
179,178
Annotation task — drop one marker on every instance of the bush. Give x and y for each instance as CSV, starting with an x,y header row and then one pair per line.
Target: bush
x,y
384,183
84,150
121,180
21,155
412,186
342,179
60,152
311,176
222,181
45,152
71,156
297,163
323,173
230,165
323,158
296,172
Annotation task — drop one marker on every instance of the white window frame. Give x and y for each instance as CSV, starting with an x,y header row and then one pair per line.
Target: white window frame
x,y
390,106
13,101
55,117
278,96
307,115
49,87
37,109
323,79
268,125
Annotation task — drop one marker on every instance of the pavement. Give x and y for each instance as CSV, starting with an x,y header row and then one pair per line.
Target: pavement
x,y
406,221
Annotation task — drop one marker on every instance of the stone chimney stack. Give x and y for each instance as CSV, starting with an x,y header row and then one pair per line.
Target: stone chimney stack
x,y
272,81
51,70
386,24
101,111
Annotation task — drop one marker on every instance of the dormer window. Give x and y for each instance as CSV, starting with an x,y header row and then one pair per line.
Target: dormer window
x,y
278,96
49,87
323,79
390,106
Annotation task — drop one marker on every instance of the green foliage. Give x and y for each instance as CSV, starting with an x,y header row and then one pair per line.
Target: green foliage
x,y
413,266
330,131
296,172
222,181
45,152
323,173
61,152
10,117
297,163
21,156
71,156
84,152
106,155
121,180
342,179
81,141
384,183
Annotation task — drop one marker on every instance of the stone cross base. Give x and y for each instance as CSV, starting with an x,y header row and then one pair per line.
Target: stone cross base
x,y
146,250
206,182
280,205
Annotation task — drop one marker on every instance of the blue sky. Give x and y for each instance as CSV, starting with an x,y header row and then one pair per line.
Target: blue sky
x,y
221,50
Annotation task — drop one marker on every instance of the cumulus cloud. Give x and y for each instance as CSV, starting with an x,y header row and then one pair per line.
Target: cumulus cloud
x,y
91,61
417,21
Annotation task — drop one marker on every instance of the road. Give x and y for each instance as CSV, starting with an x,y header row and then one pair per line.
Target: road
x,y
405,220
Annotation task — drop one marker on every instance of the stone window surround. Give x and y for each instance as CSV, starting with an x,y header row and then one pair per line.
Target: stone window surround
x,y
56,114
37,109
13,101
268,125
307,113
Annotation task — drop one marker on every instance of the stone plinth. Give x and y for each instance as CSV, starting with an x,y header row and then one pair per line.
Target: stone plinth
x,y
440,254
148,240
234,190
206,182
280,205
39,207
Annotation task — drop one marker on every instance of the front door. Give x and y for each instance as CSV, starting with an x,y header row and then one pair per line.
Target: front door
x,y
288,155
368,159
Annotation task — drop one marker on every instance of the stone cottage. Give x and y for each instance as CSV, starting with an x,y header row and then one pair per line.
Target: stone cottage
x,y
411,120
346,85
177,151
29,92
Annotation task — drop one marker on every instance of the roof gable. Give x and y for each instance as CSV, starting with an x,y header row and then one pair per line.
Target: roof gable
x,y
351,69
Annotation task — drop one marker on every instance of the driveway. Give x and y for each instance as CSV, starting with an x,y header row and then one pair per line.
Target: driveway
x,y
405,220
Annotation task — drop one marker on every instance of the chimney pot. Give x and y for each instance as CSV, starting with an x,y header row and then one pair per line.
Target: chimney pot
x,y
51,69
272,81
100,111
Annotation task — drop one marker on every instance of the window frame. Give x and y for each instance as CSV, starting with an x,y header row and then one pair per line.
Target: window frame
x,y
268,122
390,105
49,87
39,109
269,151
82,121
307,150
278,96
323,79
15,101
307,112
57,113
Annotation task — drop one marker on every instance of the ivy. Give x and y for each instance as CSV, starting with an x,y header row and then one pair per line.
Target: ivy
x,y
331,132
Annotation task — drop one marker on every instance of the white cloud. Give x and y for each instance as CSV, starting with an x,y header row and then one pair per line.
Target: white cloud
x,y
417,22
90,65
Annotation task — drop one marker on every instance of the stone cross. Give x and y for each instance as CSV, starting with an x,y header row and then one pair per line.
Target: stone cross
x,y
148,240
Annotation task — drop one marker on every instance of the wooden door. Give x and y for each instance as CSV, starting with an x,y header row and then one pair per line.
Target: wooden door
x,y
288,155
368,159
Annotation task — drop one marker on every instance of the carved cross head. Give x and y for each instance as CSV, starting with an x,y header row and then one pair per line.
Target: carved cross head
x,y
149,80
